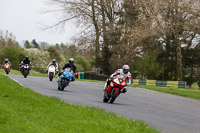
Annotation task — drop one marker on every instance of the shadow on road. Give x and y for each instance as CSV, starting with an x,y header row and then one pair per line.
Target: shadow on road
x,y
123,104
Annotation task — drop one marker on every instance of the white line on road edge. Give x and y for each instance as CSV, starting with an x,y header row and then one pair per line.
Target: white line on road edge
x,y
14,80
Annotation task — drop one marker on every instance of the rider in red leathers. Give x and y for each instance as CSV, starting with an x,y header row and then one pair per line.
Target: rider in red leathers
x,y
125,72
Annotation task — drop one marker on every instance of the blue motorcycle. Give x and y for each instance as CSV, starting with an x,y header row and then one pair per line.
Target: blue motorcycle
x,y
64,79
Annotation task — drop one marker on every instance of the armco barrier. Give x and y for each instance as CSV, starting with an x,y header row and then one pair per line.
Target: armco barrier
x,y
176,84
92,76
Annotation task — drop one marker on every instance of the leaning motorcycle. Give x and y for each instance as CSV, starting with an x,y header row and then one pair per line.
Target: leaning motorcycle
x,y
64,79
25,70
7,68
51,72
114,89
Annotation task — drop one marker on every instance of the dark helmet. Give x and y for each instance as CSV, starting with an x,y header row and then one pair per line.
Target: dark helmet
x,y
71,61
6,60
54,61
26,58
126,69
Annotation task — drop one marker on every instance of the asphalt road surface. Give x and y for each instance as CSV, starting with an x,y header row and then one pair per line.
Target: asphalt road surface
x,y
165,112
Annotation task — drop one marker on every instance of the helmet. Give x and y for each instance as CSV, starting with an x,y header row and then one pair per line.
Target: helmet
x,y
54,61
6,60
26,58
71,61
126,69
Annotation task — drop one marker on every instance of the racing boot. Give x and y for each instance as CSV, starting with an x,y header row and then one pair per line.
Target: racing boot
x,y
124,90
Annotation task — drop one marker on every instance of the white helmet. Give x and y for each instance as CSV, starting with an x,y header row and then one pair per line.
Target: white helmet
x,y
126,69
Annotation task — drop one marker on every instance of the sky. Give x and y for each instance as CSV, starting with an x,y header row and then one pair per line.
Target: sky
x,y
24,19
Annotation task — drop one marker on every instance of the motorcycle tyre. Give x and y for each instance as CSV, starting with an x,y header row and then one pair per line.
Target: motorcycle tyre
x,y
64,84
50,76
105,99
113,96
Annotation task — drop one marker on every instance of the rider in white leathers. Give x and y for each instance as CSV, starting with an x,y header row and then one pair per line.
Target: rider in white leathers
x,y
125,72
53,62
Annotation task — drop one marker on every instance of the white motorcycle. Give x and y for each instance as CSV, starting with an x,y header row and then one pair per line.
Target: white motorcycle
x,y
51,72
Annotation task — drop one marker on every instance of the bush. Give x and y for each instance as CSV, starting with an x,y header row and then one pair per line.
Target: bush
x,y
83,62
39,58
15,55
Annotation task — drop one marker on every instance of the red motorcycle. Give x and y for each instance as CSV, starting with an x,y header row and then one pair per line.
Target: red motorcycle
x,y
7,68
114,89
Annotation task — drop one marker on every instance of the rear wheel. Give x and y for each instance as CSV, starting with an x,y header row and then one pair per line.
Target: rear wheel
x,y
114,95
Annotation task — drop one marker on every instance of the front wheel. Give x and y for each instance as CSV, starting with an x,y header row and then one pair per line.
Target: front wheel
x,y
114,96
50,76
7,72
25,73
65,82
105,97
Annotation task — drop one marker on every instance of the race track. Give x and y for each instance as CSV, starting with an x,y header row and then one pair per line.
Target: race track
x,y
165,112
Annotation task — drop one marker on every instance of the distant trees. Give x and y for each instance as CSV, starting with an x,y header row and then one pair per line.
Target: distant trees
x,y
7,39
15,55
118,32
35,44
27,44
55,53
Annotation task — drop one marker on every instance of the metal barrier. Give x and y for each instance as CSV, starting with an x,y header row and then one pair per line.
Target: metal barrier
x,y
176,84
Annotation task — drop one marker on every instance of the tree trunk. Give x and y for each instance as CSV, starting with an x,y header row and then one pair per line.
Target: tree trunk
x,y
179,61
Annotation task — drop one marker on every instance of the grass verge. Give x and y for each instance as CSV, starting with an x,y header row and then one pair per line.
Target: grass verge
x,y
32,73
195,94
22,110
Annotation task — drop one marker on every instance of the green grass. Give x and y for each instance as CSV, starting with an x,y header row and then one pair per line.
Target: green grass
x,y
91,80
195,94
32,73
22,111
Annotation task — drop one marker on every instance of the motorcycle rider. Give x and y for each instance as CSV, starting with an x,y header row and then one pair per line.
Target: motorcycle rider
x,y
71,65
53,62
25,61
6,61
123,71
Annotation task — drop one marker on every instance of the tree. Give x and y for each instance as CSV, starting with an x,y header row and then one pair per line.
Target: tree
x,y
27,44
83,62
7,39
15,58
55,54
35,44
148,66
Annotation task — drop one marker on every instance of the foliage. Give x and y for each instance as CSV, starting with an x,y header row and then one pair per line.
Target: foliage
x,y
27,44
83,62
39,58
7,39
120,31
148,66
15,55
35,44
55,54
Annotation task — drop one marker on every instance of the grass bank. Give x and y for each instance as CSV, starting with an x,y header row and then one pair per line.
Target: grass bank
x,y
22,110
32,73
195,94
